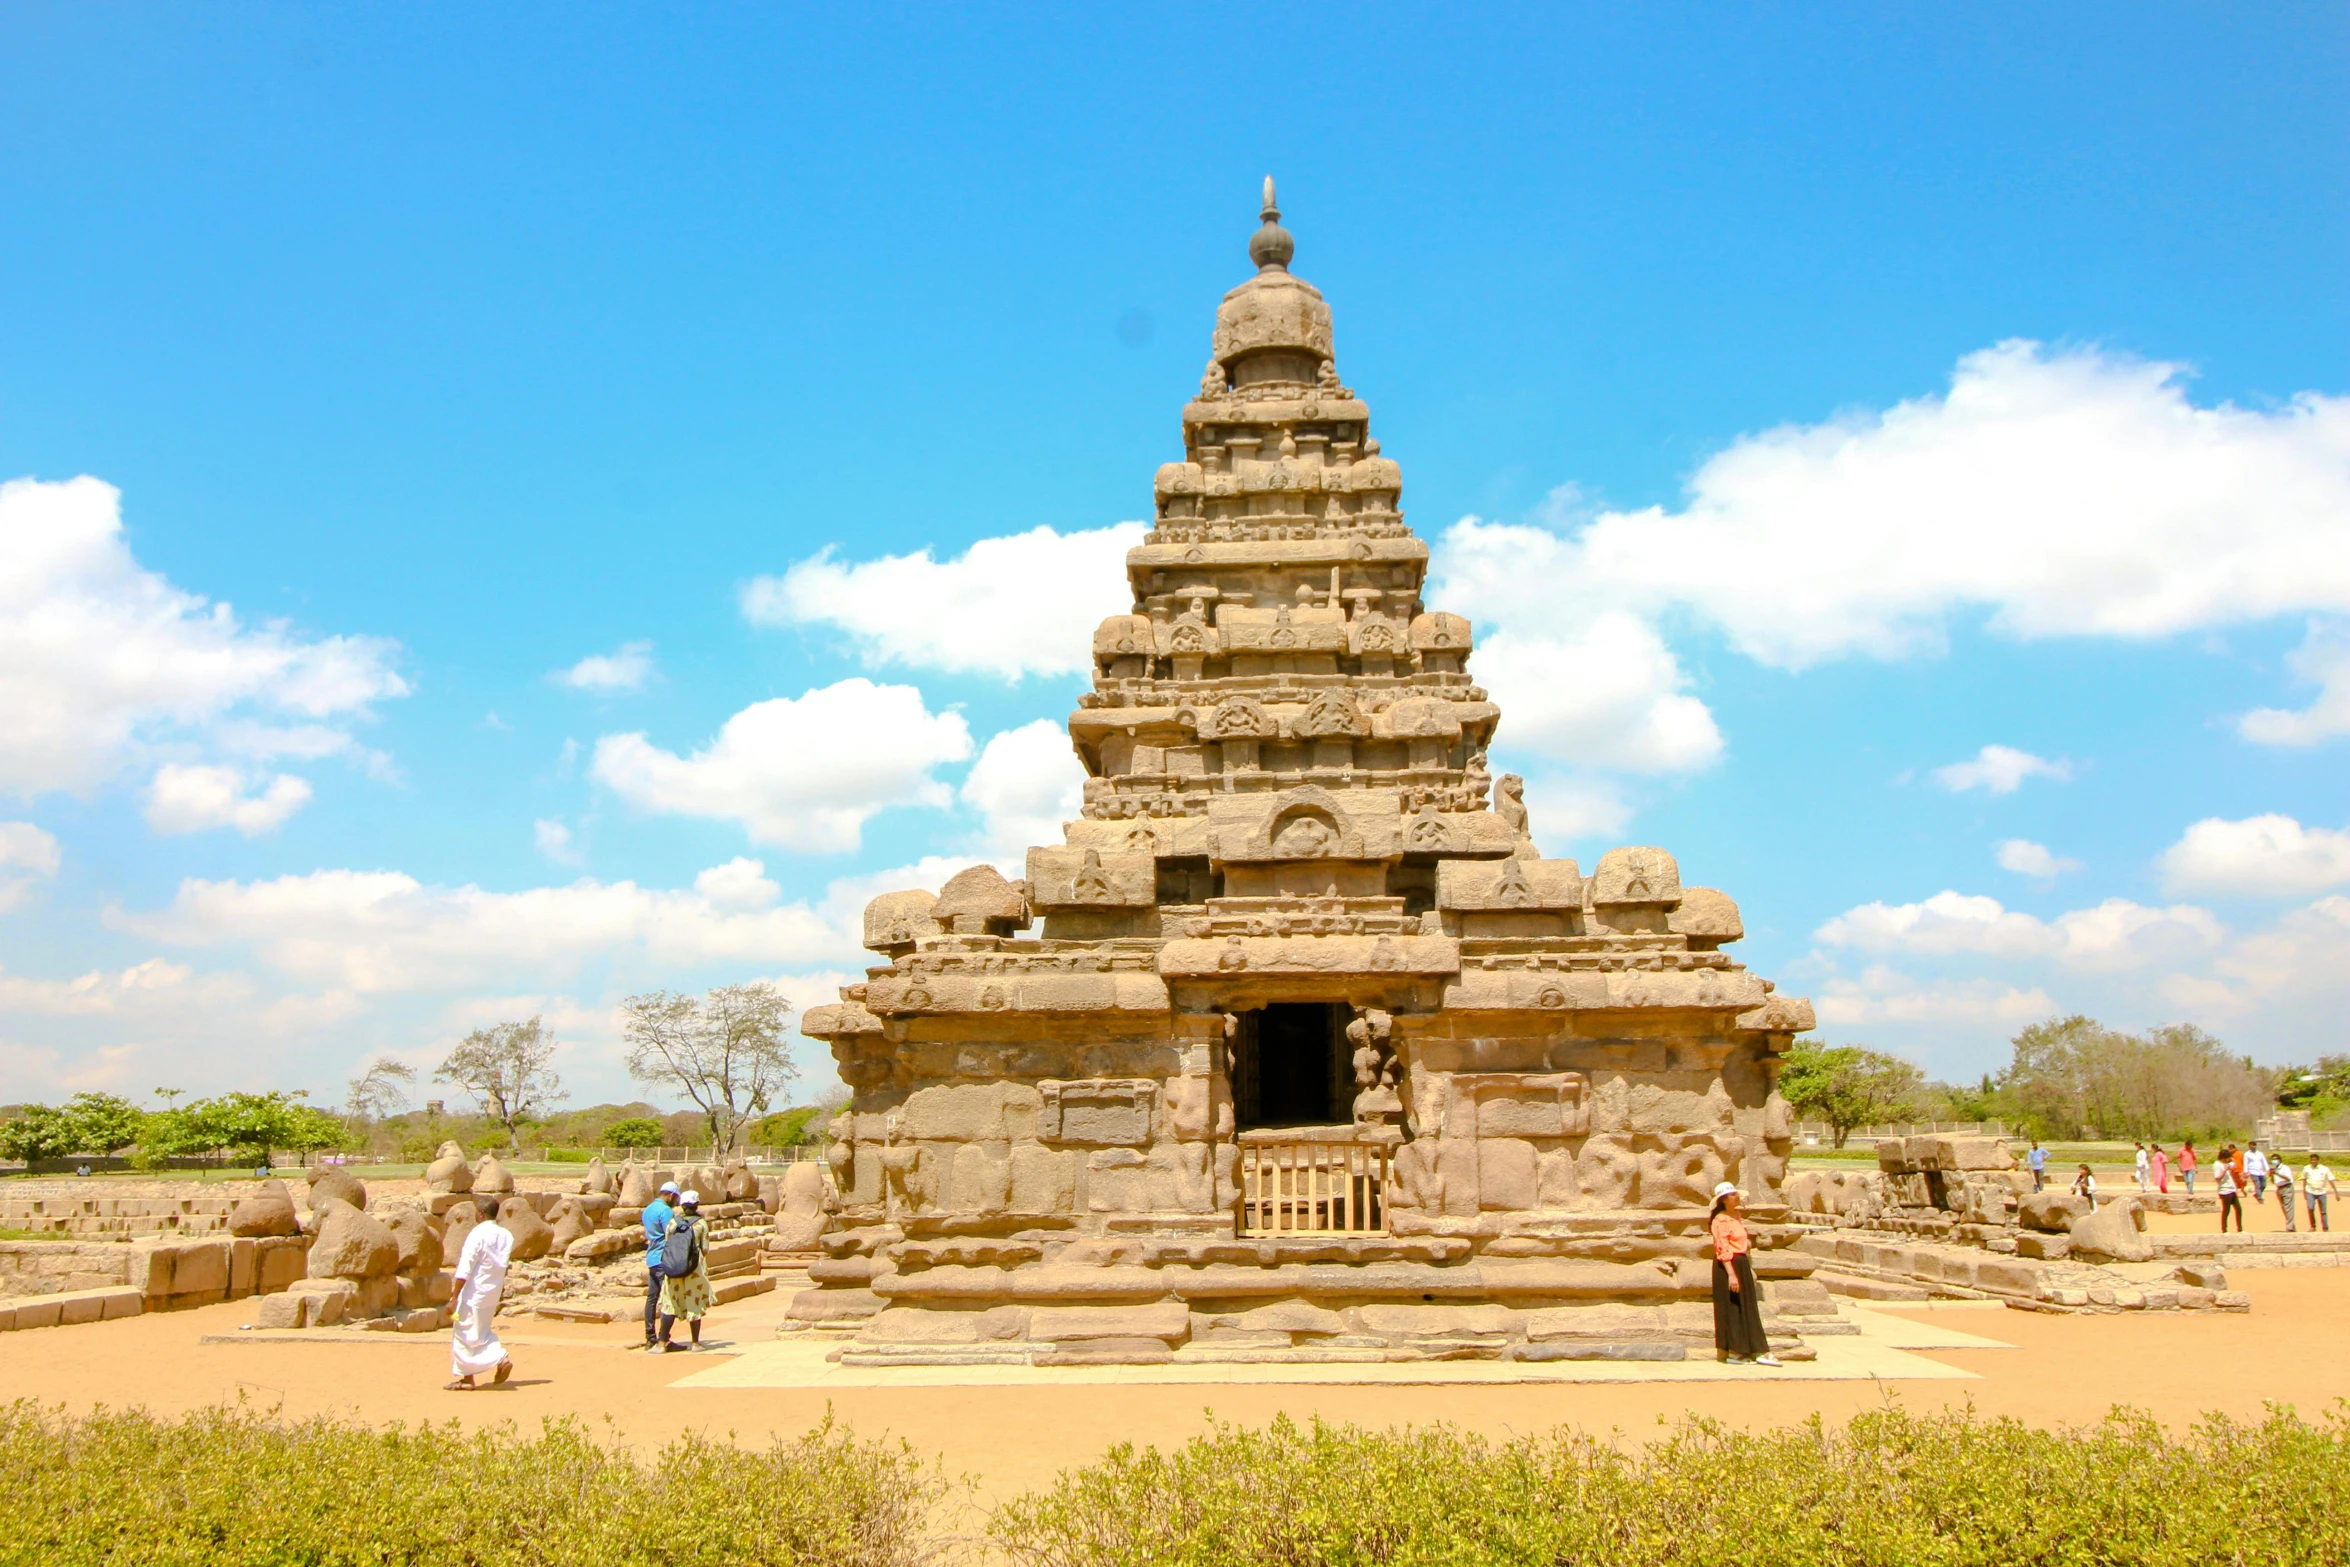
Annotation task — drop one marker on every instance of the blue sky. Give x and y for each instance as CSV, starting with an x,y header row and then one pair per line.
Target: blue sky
x,y
1801,399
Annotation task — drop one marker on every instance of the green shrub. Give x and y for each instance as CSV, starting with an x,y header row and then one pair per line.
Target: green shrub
x,y
635,1132
1890,1490
227,1488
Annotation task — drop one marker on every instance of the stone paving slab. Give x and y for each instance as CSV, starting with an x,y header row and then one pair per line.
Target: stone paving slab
x,y
1881,1351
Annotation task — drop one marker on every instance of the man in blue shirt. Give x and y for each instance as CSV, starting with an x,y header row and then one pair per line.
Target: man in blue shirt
x,y
2039,1163
657,1215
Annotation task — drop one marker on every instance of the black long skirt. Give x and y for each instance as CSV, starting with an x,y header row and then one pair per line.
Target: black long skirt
x,y
1738,1324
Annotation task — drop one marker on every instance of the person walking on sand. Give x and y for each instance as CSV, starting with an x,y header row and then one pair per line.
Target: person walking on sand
x,y
2231,1197
2317,1190
2141,1147
2187,1165
2038,1160
2161,1170
1739,1339
685,1264
2256,1166
656,1219
481,1278
2281,1177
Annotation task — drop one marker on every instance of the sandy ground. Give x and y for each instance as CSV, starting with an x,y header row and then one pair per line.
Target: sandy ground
x,y
2061,1369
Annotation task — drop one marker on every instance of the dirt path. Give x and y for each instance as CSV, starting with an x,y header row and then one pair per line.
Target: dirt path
x,y
2063,1369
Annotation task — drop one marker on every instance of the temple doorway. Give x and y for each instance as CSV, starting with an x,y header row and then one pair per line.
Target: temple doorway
x,y
1290,1067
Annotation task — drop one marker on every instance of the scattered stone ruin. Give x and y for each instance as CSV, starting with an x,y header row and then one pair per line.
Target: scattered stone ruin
x,y
1296,1047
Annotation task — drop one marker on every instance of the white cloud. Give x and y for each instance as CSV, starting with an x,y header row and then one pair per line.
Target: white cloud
x,y
1025,604
1885,995
805,772
99,657
28,856
626,669
1607,694
2026,858
2323,659
378,931
1999,769
185,799
2116,934
2260,856
2067,493
2293,976
1026,783
1563,810
737,886
154,985
554,840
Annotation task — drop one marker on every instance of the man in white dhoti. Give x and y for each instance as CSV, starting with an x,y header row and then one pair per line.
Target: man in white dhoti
x,y
481,1277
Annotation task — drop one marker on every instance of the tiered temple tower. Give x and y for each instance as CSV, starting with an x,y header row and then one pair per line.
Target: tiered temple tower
x,y
1307,1050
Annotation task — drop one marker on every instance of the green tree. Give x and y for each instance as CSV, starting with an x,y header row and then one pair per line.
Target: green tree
x,y
636,1132
253,1124
2074,1073
377,1093
103,1123
508,1068
1848,1085
36,1132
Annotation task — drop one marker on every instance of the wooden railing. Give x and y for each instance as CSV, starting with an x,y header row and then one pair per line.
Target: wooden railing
x,y
1313,1189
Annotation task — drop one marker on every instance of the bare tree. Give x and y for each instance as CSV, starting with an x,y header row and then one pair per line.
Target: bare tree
x,y
376,1093
508,1069
725,1052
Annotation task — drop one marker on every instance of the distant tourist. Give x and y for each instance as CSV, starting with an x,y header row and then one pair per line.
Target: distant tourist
x,y
2231,1197
2256,1167
2141,1147
2187,1165
685,1269
2161,1162
2038,1160
2317,1190
656,1217
481,1277
2085,1185
1738,1327
2282,1174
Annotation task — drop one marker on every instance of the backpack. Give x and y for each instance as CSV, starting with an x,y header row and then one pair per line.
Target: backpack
x,y
681,1251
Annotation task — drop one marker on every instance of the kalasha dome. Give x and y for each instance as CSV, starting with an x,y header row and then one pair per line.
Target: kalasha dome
x,y
1296,1047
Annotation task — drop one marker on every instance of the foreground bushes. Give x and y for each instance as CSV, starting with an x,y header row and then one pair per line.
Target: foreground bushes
x,y
1889,1490
1892,1489
226,1489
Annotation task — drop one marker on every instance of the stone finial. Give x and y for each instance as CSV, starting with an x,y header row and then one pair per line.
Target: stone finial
x,y
978,901
1271,247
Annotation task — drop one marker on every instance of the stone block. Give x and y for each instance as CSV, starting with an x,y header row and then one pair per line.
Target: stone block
x,y
979,1180
200,1268
244,1259
1168,1322
533,1236
969,1113
2191,1298
352,1245
283,1311
2114,1231
2008,1278
2202,1275
1891,1156
327,1301
417,1236
2050,1212
1456,1174
257,1216
2231,1300
1291,1316
278,1263
1098,1112
1598,1321
2042,1247
1507,1173
1427,1321
42,1312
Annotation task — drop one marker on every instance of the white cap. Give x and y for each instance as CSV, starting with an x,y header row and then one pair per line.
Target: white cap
x,y
669,1188
692,1198
1727,1189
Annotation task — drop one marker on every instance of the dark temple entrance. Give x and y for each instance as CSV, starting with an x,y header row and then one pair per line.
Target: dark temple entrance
x,y
1289,1065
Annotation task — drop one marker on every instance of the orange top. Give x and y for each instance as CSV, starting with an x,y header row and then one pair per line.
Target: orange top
x,y
1729,1238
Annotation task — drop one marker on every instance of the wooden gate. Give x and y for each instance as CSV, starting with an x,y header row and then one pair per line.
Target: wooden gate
x,y
1313,1188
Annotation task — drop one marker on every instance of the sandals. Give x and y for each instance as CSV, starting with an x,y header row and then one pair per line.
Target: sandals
x,y
505,1370
461,1385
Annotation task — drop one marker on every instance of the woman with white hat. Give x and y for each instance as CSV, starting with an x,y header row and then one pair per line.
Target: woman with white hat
x,y
685,1265
1738,1325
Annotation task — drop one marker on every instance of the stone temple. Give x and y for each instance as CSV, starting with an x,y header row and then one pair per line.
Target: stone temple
x,y
1297,1047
